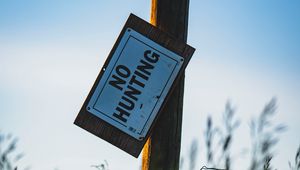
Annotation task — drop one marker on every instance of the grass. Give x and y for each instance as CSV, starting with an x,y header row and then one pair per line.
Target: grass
x,y
218,142
101,166
264,136
9,157
220,155
296,165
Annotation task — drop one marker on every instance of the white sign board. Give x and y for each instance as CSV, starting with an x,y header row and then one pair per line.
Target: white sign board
x,y
134,84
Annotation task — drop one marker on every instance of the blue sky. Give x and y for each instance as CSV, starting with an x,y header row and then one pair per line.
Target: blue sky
x,y
51,52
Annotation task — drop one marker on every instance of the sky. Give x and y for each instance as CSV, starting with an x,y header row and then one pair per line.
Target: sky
x,y
51,52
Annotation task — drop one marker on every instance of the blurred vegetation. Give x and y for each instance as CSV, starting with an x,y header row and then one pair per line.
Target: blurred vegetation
x,y
101,166
221,154
264,137
218,142
296,165
9,157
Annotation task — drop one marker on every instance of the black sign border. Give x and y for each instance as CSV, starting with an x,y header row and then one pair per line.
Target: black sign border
x,y
109,133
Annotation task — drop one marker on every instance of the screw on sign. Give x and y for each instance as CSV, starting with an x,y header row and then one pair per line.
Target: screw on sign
x,y
133,85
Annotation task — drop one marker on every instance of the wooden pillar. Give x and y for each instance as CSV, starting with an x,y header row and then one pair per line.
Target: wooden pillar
x,y
162,150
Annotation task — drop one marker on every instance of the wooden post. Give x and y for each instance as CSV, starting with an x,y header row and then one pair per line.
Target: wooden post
x,y
162,150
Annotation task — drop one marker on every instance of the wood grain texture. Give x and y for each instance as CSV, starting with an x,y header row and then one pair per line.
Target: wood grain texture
x,y
163,149
102,129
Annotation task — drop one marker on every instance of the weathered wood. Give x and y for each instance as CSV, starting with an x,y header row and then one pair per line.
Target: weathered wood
x,y
163,148
102,129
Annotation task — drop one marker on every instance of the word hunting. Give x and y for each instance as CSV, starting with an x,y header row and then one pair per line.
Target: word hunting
x,y
131,83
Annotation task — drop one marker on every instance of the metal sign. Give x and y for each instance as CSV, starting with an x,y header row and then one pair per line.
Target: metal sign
x,y
135,84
